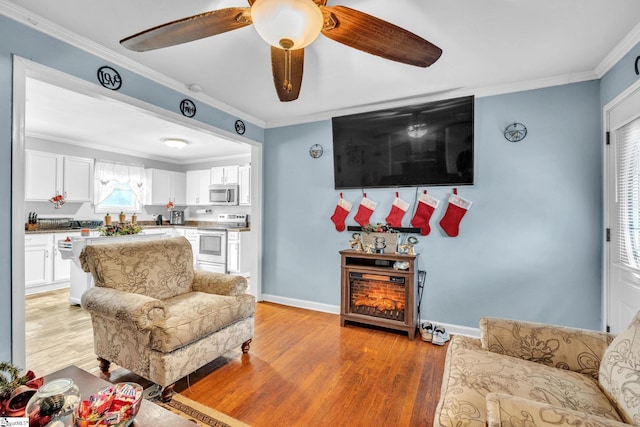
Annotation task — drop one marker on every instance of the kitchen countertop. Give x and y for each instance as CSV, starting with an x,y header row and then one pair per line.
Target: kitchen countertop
x,y
147,225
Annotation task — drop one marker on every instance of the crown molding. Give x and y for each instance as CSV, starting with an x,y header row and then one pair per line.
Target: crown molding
x,y
618,52
49,28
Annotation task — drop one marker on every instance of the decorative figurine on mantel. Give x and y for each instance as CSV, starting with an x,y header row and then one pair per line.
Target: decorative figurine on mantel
x,y
408,246
356,243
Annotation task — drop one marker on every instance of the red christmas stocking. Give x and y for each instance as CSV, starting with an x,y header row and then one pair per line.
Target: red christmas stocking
x,y
365,210
426,206
398,209
456,209
340,214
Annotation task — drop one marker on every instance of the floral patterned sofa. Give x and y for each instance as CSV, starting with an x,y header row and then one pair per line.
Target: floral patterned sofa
x,y
156,316
523,374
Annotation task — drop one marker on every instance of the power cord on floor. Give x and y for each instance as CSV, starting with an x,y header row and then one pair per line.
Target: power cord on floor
x,y
421,279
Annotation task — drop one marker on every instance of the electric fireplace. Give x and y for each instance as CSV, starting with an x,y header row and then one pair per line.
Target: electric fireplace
x,y
379,290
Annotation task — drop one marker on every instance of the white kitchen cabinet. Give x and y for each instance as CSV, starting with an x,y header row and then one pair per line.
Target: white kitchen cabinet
x,y
37,260
224,175
165,186
61,271
238,253
50,174
198,187
192,236
244,179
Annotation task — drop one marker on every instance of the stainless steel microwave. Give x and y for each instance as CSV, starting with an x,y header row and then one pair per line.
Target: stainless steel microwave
x,y
223,194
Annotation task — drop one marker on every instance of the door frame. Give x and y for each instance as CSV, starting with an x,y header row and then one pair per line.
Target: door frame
x,y
606,177
23,68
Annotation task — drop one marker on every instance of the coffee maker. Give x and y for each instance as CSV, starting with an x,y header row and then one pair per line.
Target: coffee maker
x,y
177,218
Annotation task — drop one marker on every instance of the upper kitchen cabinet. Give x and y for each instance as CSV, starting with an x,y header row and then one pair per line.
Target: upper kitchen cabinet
x,y
244,195
224,175
165,186
198,187
50,174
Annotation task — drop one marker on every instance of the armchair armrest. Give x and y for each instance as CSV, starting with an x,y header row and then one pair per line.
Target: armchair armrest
x,y
219,283
561,347
504,409
141,310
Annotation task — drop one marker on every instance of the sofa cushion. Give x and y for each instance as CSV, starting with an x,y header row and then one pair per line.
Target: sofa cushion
x,y
471,373
620,372
189,317
159,268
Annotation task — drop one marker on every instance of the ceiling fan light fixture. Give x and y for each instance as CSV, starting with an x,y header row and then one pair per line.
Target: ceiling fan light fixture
x,y
417,131
294,21
176,143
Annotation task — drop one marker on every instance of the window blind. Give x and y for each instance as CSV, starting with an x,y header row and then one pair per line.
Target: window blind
x,y
627,140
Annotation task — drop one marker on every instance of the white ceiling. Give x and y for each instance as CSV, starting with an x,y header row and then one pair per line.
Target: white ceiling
x,y
490,46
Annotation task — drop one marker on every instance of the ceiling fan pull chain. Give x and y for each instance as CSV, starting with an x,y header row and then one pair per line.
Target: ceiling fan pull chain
x,y
287,44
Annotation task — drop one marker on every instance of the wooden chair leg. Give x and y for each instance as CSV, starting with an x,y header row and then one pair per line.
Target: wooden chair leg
x,y
167,393
104,365
104,368
245,346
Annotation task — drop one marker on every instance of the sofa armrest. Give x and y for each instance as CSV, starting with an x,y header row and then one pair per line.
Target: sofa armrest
x,y
506,410
560,347
141,310
219,283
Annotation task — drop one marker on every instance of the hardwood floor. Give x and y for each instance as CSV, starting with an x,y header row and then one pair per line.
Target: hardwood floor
x,y
303,369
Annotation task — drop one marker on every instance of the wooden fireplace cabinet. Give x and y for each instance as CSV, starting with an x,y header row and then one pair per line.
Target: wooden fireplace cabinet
x,y
379,265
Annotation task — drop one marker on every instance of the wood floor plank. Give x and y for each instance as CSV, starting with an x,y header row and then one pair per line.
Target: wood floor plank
x,y
303,368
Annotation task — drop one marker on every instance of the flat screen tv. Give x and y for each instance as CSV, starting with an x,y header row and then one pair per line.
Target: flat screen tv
x,y
420,145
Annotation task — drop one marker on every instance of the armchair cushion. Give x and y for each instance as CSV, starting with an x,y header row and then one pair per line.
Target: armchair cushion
x,y
556,346
195,315
620,372
161,268
113,304
507,410
219,283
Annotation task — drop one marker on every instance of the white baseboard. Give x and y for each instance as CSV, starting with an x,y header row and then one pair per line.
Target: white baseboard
x,y
335,309
46,287
299,303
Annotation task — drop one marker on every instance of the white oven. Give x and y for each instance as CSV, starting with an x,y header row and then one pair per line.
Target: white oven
x,y
212,250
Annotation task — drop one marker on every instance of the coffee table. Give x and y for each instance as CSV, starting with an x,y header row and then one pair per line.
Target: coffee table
x,y
150,414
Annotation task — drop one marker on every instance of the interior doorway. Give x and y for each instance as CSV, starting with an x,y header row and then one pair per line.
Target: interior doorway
x,y
24,69
622,210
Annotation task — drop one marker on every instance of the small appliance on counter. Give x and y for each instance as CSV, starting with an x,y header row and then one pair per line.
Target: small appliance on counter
x,y
177,218
159,220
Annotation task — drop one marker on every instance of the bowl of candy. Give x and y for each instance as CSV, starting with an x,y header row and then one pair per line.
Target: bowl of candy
x,y
115,406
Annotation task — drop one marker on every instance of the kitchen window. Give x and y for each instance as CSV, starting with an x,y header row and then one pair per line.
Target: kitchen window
x,y
118,187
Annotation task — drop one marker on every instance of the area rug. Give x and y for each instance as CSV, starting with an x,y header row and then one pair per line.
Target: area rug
x,y
198,413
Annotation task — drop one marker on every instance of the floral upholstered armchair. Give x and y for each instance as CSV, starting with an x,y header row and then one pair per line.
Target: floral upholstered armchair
x,y
528,374
156,316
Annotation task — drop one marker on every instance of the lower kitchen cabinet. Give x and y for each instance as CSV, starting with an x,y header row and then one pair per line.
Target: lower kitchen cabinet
x,y
38,267
238,253
44,267
192,236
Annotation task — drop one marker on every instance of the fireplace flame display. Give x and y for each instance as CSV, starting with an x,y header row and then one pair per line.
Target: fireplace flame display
x,y
378,298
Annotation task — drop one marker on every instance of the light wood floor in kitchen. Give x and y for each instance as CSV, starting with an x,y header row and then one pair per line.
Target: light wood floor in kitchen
x,y
303,368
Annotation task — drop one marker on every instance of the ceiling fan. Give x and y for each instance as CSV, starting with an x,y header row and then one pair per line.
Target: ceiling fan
x,y
289,26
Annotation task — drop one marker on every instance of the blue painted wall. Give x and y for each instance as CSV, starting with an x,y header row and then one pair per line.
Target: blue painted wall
x,y
23,41
529,246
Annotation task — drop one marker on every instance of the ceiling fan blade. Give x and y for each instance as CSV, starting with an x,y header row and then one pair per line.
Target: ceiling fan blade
x,y
189,29
377,37
287,66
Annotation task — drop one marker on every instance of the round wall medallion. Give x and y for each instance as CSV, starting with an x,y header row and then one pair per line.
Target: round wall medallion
x,y
515,132
240,128
109,78
316,151
187,108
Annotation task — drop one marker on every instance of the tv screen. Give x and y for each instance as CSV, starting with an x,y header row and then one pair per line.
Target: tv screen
x,y
419,145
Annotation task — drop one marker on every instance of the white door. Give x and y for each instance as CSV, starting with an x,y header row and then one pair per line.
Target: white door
x,y
623,210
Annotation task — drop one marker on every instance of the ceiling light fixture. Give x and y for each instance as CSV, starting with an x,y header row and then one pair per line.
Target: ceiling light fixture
x,y
287,24
417,131
176,143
